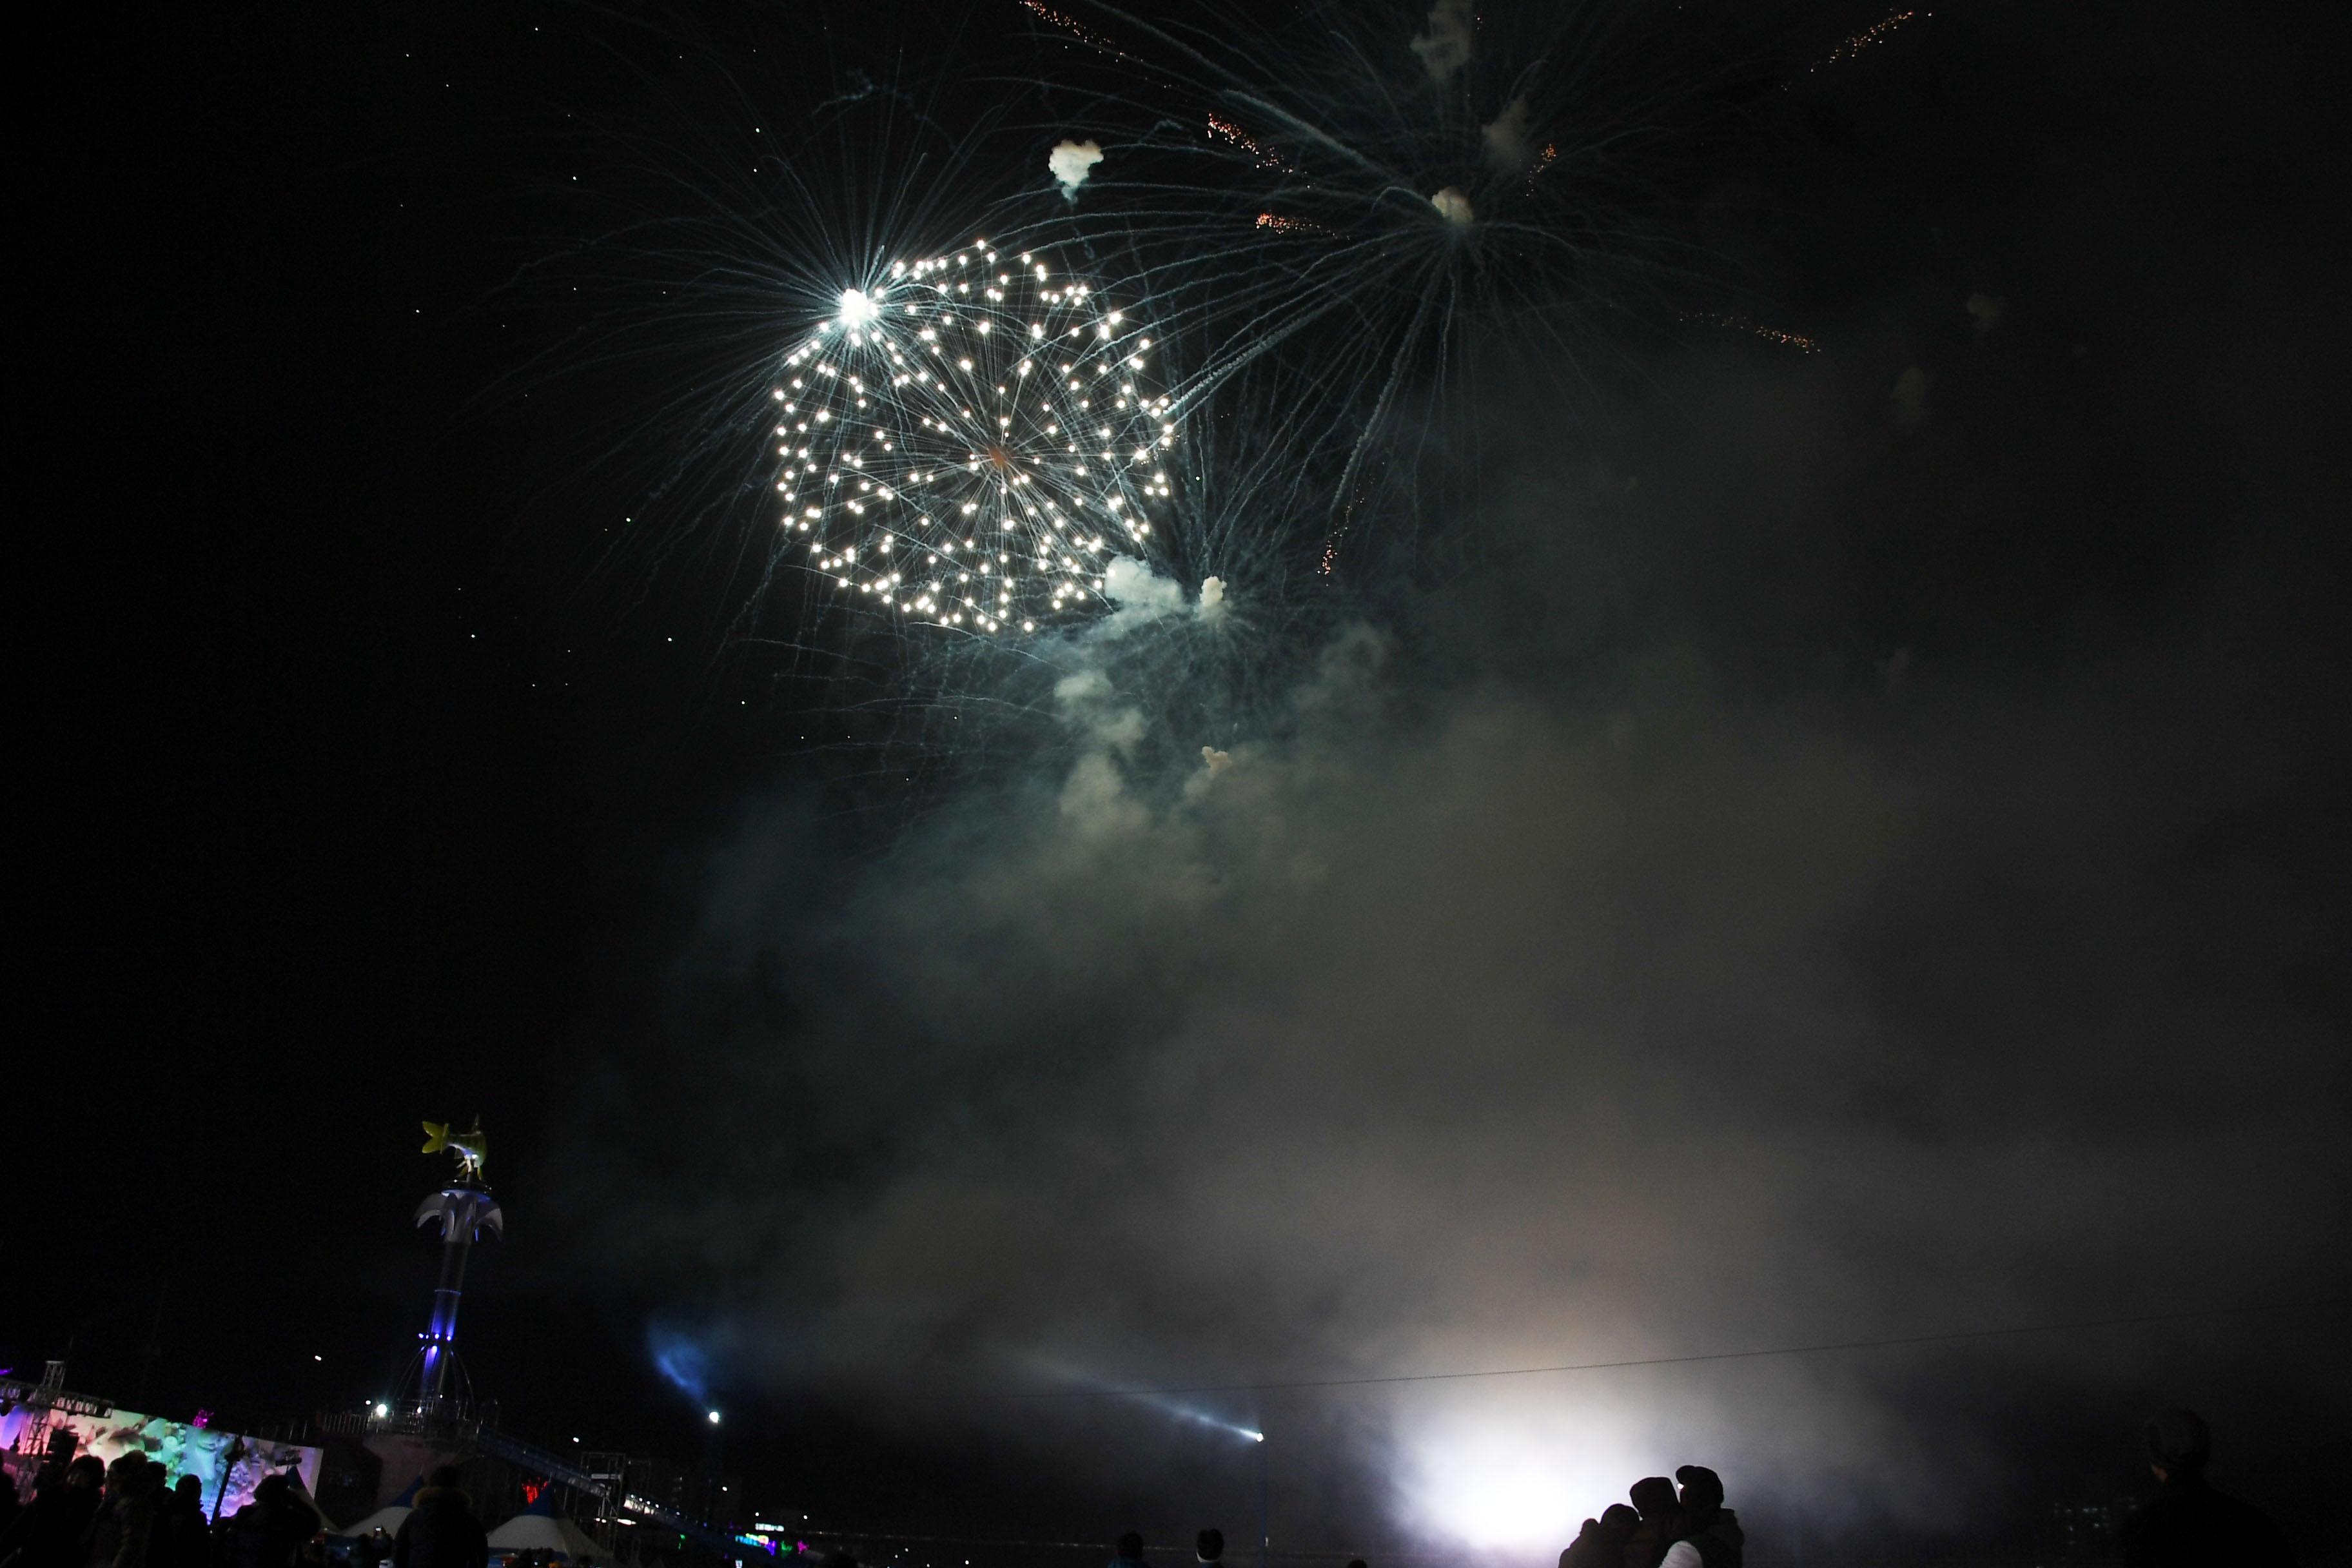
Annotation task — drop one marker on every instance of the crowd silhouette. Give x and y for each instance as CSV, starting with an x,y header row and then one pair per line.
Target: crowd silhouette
x,y
1685,1523
86,1514
1662,1527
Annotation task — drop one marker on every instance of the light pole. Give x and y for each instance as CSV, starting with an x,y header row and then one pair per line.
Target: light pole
x,y
1264,1531
464,1210
710,1471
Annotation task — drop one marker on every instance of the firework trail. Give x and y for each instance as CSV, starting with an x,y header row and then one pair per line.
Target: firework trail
x,y
1732,323
1069,24
1878,32
1379,206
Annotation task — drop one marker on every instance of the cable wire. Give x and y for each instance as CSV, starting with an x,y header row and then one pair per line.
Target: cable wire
x,y
1826,1348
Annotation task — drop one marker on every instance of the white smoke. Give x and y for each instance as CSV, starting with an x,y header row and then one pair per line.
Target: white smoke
x,y
1140,596
1104,719
1445,48
1071,162
1506,137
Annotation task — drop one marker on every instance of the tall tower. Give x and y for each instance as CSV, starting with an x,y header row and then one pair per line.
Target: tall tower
x,y
465,1209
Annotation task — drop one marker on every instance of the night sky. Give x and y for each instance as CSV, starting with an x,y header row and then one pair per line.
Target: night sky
x,y
1851,845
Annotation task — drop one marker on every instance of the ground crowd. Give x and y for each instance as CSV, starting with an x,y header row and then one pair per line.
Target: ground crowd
x,y
123,1515
2189,1524
1663,1528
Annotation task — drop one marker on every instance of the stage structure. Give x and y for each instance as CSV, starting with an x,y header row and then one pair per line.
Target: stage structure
x,y
431,1417
438,1389
43,1424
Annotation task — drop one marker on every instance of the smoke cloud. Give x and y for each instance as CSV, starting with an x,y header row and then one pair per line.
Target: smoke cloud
x,y
1464,1027
1070,162
1850,865
1445,48
1505,136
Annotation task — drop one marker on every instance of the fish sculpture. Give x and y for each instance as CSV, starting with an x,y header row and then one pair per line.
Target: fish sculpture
x,y
471,1147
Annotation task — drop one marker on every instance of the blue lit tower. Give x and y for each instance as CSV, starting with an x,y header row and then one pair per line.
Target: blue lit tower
x,y
465,1209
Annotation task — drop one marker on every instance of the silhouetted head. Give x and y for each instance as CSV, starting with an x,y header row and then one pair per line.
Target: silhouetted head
x,y
2178,1443
1208,1546
1131,1547
443,1476
1619,1520
89,1470
1654,1496
189,1490
1702,1488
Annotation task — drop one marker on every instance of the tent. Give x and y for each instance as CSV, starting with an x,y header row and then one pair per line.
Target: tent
x,y
389,1516
310,1505
540,1527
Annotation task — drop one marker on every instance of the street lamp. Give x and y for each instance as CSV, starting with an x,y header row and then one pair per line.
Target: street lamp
x,y
1264,1530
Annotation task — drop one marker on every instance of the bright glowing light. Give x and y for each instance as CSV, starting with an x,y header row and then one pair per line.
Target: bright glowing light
x,y
381,1410
1509,1501
1513,1470
714,1418
957,404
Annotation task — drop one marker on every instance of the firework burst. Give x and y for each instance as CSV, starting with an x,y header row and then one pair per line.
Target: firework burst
x,y
1383,204
1220,384
971,440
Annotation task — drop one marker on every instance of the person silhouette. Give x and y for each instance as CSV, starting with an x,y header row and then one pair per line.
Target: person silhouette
x,y
1601,1542
1707,1533
2189,1524
1660,1525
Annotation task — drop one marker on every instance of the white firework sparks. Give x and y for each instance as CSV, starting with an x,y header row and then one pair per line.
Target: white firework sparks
x,y
971,440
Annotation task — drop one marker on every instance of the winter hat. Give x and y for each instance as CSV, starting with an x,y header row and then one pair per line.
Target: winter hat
x,y
1654,1495
1702,1488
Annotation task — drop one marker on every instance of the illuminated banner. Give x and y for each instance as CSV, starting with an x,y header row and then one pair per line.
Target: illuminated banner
x,y
180,1446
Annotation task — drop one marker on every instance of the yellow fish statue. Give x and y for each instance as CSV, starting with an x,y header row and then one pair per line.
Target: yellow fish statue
x,y
471,1147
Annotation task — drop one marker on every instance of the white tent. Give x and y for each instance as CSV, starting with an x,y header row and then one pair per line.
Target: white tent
x,y
534,1531
385,1518
301,1494
389,1516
